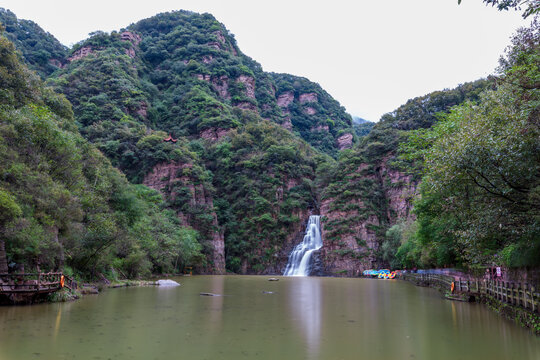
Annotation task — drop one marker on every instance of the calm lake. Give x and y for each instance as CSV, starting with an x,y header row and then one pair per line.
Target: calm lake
x,y
303,318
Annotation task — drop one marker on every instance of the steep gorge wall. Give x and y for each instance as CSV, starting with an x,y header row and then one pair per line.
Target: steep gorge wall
x,y
354,225
178,74
295,234
372,189
166,178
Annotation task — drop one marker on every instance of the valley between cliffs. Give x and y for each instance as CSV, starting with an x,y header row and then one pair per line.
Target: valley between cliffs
x,y
200,159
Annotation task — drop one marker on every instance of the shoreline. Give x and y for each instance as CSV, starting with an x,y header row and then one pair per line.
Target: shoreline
x,y
519,315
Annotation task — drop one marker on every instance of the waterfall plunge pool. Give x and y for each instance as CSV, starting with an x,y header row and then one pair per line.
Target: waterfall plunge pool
x,y
303,318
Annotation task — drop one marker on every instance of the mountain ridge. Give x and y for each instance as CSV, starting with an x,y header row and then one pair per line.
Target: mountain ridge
x,y
238,156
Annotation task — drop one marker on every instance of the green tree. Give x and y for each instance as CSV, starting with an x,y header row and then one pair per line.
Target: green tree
x,y
482,169
9,210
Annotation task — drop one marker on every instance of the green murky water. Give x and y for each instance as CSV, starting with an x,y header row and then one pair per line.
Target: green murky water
x,y
304,318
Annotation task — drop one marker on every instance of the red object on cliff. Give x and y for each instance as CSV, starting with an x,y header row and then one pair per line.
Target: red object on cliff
x,y
170,138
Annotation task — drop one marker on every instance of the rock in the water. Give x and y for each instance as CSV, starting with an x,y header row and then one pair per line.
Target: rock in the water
x,y
317,267
167,283
208,294
273,279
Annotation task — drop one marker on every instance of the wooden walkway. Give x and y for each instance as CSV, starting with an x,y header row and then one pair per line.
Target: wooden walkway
x,y
34,283
514,293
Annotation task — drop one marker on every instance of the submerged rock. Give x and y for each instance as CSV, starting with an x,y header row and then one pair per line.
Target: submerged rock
x,y
167,283
208,294
273,279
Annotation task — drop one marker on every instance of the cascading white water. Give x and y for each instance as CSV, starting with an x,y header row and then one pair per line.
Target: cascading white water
x,y
300,257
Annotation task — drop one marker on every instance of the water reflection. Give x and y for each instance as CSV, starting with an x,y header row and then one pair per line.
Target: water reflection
x,y
215,313
305,302
57,323
294,318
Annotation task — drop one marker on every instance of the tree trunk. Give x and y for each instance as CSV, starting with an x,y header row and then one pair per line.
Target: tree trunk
x,y
61,258
3,257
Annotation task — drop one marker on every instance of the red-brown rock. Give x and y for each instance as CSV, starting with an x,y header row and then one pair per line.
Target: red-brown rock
x,y
133,38
249,84
214,134
285,99
307,98
310,111
163,178
345,141
81,53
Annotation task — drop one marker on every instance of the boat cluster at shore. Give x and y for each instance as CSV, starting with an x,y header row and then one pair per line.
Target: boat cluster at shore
x,y
381,274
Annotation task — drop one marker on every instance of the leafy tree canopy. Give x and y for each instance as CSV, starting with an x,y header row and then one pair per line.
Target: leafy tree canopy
x,y
479,195
531,7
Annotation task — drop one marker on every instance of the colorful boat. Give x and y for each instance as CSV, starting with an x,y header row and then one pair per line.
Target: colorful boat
x,y
387,274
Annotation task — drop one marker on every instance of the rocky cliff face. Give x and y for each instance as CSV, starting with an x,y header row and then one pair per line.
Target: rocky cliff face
x,y
400,190
307,98
249,85
285,99
295,235
345,141
354,250
353,226
185,77
132,37
306,109
183,49
81,53
166,179
213,134
221,85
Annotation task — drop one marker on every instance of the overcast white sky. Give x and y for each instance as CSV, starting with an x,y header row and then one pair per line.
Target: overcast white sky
x,y
372,56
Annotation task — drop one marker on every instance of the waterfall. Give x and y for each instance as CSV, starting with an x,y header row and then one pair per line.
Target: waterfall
x,y
300,258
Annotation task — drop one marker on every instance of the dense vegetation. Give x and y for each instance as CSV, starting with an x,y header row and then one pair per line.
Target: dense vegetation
x,y
473,155
265,176
182,74
480,189
361,186
62,203
362,127
41,51
319,122
254,153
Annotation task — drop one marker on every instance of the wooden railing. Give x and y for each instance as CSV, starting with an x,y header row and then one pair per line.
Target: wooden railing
x,y
519,294
30,283
514,293
70,283
429,279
